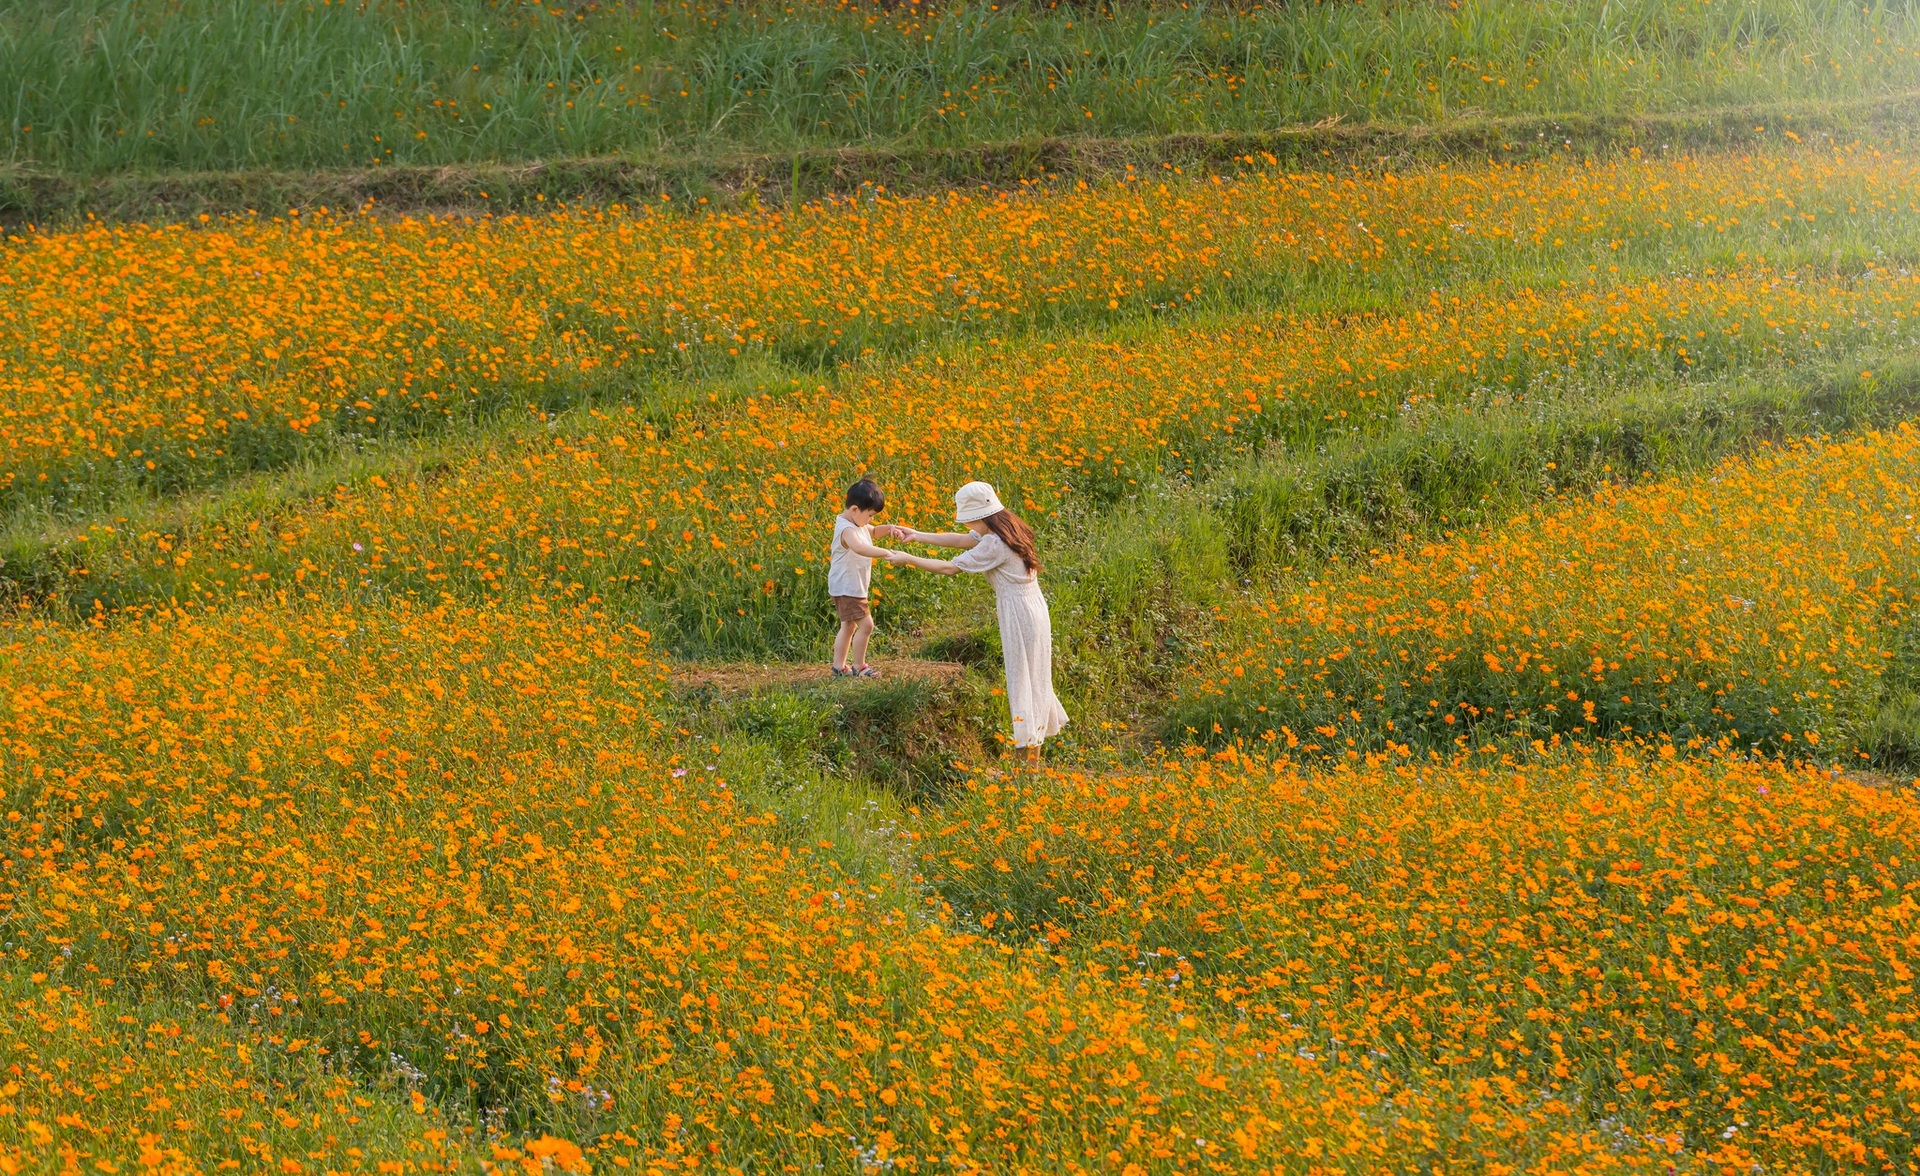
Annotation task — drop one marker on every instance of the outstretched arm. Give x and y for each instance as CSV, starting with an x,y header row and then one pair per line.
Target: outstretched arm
x,y
938,567
964,540
860,546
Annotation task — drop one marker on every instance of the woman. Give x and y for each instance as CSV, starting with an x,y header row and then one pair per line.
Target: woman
x,y
999,546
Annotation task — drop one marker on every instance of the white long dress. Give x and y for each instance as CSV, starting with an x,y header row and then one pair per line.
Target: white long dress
x,y
1026,639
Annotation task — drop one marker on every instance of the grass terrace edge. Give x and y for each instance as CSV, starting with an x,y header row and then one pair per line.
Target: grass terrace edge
x,y
32,197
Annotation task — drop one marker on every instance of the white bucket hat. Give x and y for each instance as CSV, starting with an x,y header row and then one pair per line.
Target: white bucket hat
x,y
975,501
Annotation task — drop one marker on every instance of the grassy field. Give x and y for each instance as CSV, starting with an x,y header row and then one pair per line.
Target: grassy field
x,y
167,110
222,85
1482,590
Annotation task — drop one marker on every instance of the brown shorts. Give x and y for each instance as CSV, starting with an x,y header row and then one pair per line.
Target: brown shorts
x,y
851,609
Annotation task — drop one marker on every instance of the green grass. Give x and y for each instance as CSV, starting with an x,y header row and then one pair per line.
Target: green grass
x,y
902,736
33,196
95,86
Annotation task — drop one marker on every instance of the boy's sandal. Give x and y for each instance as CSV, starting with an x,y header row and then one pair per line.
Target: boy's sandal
x,y
866,672
842,671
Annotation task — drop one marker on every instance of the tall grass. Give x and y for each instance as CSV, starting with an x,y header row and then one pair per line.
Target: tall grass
x,y
95,86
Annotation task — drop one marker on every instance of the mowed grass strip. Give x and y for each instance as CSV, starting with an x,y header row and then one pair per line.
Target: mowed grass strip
x,y
33,197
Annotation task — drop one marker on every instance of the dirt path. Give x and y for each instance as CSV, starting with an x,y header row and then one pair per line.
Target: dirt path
x,y
1880,780
745,677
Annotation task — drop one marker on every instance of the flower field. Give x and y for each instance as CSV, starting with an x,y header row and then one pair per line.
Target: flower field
x,y
262,819
363,807
701,521
1704,964
161,358
1763,605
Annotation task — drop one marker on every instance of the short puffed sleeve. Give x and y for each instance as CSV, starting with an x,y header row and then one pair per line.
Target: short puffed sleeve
x,y
983,556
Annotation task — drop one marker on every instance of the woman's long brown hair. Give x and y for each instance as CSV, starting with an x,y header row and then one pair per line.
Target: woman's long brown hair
x,y
1015,533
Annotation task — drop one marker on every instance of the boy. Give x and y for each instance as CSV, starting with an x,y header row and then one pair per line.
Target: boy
x,y
849,571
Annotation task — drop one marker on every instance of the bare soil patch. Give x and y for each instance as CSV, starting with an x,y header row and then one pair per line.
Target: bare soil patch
x,y
746,677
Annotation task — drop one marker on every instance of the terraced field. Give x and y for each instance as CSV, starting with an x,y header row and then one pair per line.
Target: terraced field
x,y
1482,589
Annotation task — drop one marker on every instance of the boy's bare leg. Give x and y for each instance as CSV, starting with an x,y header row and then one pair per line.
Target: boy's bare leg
x,y
840,643
857,649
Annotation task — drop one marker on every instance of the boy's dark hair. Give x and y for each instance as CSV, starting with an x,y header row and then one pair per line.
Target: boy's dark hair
x,y
866,495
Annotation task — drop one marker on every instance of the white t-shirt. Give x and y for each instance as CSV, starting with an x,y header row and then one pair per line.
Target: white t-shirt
x,y
848,574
